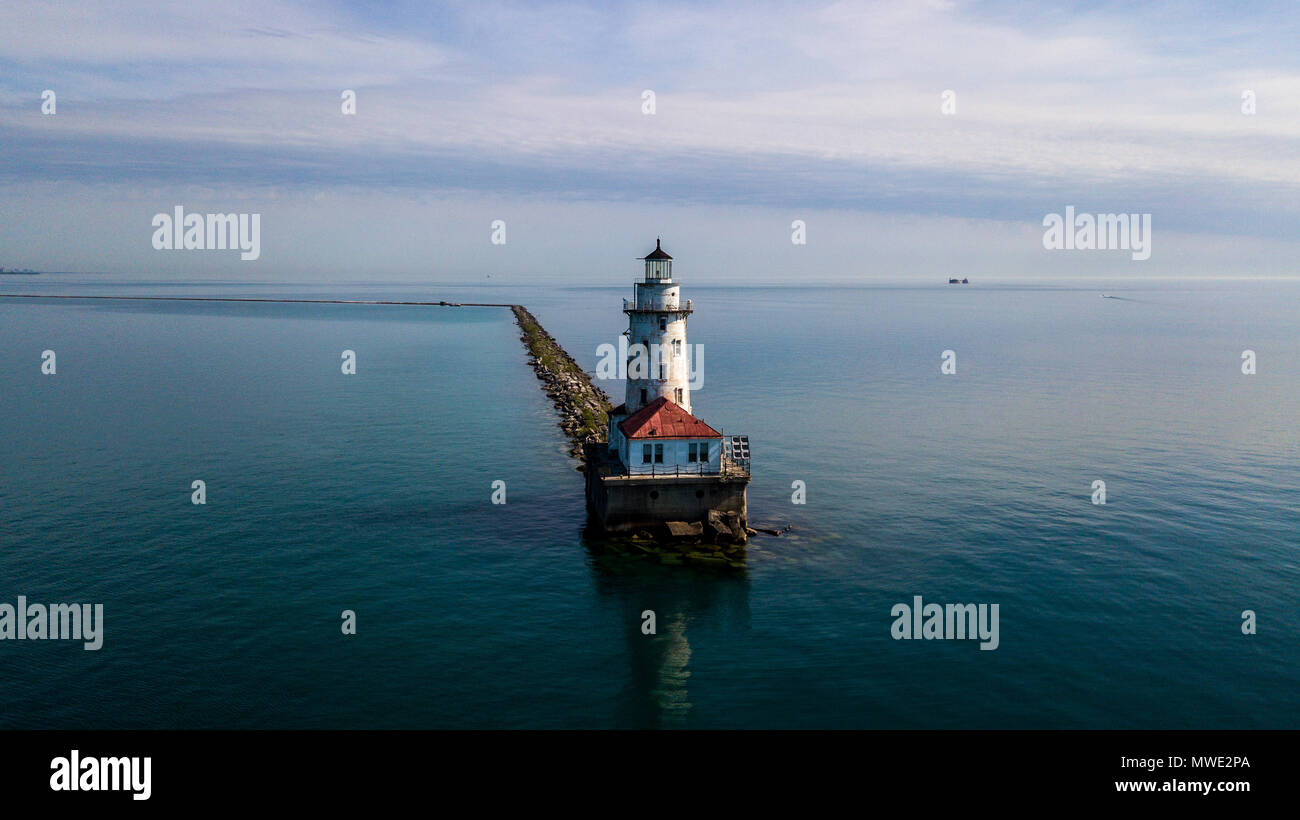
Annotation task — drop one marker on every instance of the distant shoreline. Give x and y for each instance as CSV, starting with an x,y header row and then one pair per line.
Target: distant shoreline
x,y
442,303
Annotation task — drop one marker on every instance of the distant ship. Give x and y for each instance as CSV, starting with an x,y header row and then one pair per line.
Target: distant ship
x,y
959,281
23,272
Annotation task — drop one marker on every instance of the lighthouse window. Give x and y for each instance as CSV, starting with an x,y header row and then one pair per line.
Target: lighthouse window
x,y
677,347
659,454
645,453
643,395
679,395
663,322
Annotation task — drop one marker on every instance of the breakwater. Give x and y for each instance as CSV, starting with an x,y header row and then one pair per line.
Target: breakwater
x,y
583,408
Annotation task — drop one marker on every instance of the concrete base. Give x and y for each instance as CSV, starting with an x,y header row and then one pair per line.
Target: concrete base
x,y
630,503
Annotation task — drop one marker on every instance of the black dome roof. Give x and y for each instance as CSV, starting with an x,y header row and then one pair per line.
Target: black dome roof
x,y
657,253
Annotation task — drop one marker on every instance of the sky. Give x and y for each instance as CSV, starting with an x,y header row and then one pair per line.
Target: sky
x,y
764,113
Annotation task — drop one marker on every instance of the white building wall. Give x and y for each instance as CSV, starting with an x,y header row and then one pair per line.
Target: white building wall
x,y
676,456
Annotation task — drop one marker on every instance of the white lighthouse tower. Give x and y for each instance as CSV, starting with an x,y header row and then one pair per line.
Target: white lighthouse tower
x,y
662,466
658,363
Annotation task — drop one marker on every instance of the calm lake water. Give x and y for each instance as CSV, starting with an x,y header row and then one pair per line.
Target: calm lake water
x,y
372,493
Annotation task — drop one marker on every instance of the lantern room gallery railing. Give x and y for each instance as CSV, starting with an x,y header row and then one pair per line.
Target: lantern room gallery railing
x,y
631,306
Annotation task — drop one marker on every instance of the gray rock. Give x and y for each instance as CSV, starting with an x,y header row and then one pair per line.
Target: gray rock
x,y
684,529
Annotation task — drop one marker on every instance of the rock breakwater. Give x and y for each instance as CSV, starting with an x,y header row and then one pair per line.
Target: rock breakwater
x,y
583,407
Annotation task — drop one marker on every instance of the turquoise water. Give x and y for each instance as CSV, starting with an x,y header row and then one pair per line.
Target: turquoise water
x,y
372,493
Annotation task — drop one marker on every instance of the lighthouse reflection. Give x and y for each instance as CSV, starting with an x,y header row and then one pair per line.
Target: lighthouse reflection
x,y
705,605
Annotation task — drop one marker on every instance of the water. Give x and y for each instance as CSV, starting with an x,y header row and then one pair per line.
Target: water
x,y
372,493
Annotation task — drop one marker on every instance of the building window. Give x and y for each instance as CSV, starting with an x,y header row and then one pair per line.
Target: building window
x,y
679,395
643,397
704,451
645,453
663,371
659,454
692,452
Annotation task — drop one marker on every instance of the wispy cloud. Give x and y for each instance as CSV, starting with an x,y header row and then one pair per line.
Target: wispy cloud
x,y
830,107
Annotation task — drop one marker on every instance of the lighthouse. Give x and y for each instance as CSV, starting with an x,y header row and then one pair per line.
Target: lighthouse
x,y
661,466
658,360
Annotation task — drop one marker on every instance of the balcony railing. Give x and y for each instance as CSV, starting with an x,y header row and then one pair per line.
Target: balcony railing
x,y
734,463
631,306
729,469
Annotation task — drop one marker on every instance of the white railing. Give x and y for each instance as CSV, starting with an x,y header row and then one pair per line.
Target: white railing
x,y
631,304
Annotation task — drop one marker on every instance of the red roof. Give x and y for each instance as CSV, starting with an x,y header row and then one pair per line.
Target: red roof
x,y
663,419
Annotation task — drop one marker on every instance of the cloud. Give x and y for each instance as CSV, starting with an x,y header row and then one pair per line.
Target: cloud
x,y
144,51
771,105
